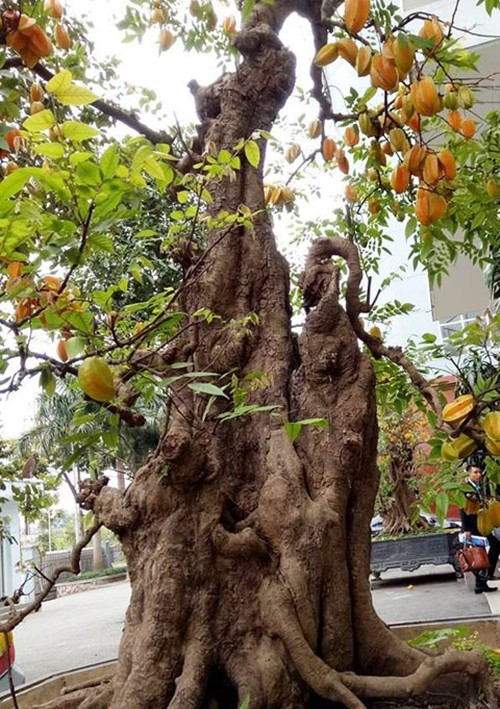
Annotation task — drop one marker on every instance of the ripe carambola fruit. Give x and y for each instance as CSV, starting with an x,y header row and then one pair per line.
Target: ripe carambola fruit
x,y
429,207
494,512
425,96
484,523
492,445
460,447
356,14
96,379
329,148
400,178
326,54
447,162
383,73
491,425
404,53
456,411
449,452
351,136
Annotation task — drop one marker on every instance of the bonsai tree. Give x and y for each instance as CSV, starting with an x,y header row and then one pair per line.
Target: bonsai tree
x,y
247,530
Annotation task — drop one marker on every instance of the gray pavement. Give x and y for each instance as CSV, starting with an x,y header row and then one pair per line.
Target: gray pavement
x,y
430,594
86,627
72,631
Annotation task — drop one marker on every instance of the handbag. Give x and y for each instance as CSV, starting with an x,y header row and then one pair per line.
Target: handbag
x,y
473,558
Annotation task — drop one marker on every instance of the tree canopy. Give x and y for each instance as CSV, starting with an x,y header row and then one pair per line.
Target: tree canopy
x,y
139,265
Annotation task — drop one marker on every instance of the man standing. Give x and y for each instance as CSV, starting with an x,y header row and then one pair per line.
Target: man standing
x,y
468,516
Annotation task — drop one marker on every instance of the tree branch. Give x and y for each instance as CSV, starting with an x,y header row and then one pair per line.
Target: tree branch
x,y
15,616
346,249
118,114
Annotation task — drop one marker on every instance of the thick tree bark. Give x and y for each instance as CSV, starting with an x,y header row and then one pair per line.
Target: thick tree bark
x,y
248,555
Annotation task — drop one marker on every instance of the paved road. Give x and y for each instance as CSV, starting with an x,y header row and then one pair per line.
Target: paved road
x,y
86,627
72,631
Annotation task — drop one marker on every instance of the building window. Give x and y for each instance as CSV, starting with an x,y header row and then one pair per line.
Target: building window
x,y
456,324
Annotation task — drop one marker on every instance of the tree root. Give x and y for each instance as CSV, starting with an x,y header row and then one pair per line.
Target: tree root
x,y
93,694
348,687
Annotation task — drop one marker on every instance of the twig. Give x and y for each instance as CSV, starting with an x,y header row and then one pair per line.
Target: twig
x,y
15,617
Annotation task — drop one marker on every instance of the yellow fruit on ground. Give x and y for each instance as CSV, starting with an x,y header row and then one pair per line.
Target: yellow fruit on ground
x,y
96,379
457,410
491,425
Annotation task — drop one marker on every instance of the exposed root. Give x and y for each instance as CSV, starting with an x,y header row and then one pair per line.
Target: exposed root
x,y
348,687
87,685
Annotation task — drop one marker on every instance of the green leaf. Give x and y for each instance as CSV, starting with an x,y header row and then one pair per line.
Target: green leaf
x,y
88,520
246,410
153,168
245,703
40,121
442,503
49,150
47,381
252,153
74,95
60,81
78,131
109,162
88,173
13,183
207,388
292,430
75,346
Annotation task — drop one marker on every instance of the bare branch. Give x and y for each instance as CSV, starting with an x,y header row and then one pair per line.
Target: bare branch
x,y
15,616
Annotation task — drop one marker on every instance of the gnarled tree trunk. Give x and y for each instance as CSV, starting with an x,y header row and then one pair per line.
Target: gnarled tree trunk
x,y
249,555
